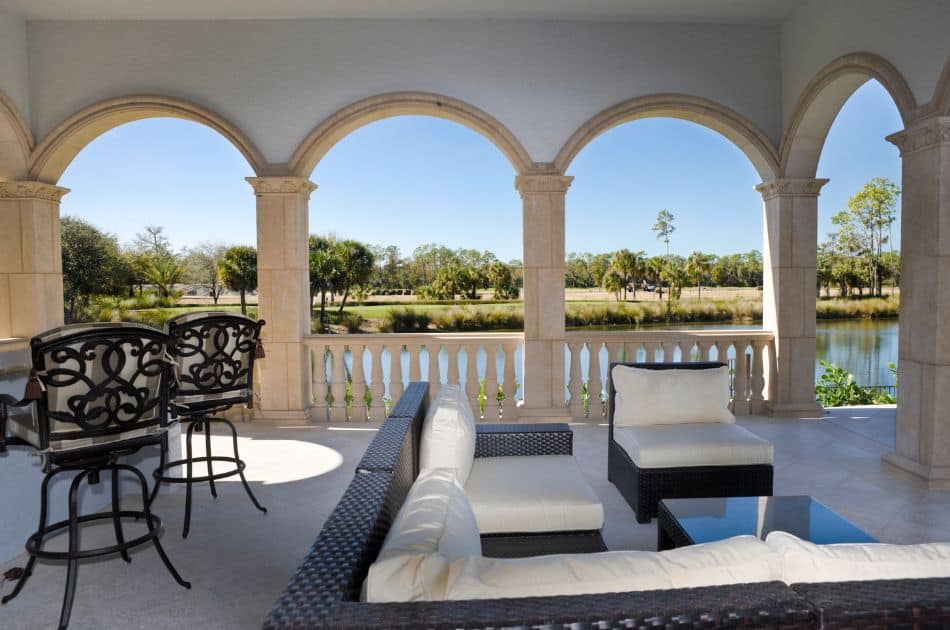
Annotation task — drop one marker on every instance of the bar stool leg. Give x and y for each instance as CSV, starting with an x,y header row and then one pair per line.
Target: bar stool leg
x,y
151,527
188,465
237,457
214,492
162,461
116,521
40,532
72,565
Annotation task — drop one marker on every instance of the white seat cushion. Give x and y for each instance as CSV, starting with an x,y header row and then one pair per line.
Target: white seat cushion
x,y
675,396
743,559
804,561
539,493
434,526
683,445
448,433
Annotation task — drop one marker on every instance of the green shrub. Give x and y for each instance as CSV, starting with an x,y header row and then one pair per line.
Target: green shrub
x,y
405,320
836,388
352,321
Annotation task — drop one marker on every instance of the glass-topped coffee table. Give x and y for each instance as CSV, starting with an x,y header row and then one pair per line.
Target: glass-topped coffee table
x,y
693,521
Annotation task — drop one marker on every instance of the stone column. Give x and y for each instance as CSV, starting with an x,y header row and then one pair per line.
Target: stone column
x,y
542,195
284,295
788,296
31,260
923,397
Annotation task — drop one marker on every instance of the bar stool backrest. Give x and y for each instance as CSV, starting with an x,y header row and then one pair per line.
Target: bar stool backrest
x,y
101,383
215,353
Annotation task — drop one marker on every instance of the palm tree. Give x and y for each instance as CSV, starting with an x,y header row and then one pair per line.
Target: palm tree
x,y
628,265
697,268
612,282
664,227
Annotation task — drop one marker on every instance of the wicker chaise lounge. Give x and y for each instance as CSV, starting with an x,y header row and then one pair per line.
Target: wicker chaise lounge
x,y
643,486
325,590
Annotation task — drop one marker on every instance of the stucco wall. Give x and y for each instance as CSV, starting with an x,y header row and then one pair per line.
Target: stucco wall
x,y
14,70
911,34
277,79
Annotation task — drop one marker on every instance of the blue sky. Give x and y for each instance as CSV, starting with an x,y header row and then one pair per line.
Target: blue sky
x,y
413,180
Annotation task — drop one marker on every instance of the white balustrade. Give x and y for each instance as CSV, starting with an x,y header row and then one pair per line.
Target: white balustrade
x,y
353,374
747,352
356,377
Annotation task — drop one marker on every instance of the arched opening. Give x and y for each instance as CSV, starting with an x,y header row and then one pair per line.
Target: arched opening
x,y
16,141
154,206
858,271
415,228
645,280
55,153
824,97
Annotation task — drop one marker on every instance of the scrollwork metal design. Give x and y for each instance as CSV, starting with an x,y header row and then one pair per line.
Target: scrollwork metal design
x,y
104,382
215,354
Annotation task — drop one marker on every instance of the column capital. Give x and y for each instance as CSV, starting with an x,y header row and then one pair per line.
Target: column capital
x,y
544,179
281,186
788,187
32,190
922,134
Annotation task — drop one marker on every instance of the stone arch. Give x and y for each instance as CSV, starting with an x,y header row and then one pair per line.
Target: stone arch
x,y
727,122
941,98
361,113
62,144
16,142
823,98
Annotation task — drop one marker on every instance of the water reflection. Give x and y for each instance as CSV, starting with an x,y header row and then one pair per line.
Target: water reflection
x,y
863,347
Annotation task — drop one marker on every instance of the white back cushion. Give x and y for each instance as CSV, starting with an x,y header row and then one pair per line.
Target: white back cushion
x,y
736,560
448,433
675,396
434,526
804,561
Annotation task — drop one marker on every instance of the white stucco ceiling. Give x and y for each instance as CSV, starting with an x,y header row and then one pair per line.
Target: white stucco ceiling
x,y
725,11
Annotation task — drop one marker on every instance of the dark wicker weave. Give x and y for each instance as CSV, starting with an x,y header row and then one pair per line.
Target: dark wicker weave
x,y
918,604
511,440
644,487
541,544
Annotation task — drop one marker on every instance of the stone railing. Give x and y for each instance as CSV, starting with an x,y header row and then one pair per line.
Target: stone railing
x,y
359,375
356,377
749,354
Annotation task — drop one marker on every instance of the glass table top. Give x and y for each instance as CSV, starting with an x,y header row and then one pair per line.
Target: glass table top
x,y
706,520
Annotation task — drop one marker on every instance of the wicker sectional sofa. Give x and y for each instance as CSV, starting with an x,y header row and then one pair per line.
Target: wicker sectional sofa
x,y
325,590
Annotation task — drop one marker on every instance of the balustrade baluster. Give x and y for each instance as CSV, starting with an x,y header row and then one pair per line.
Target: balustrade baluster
x,y
491,382
358,407
318,372
337,383
595,382
472,385
757,380
740,401
510,384
434,376
396,386
377,387
452,375
414,351
576,384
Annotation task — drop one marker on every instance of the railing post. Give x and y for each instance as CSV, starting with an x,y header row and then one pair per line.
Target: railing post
x,y
576,383
510,384
740,383
396,386
471,377
491,381
318,358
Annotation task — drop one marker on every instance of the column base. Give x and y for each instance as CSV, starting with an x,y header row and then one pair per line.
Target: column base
x,y
283,415
537,415
936,477
804,410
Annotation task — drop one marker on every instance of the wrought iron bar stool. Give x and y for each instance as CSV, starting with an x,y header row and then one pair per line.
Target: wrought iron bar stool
x,y
97,392
215,353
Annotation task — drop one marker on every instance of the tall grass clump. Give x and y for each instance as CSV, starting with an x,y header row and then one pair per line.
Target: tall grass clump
x,y
399,320
867,308
464,319
682,311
